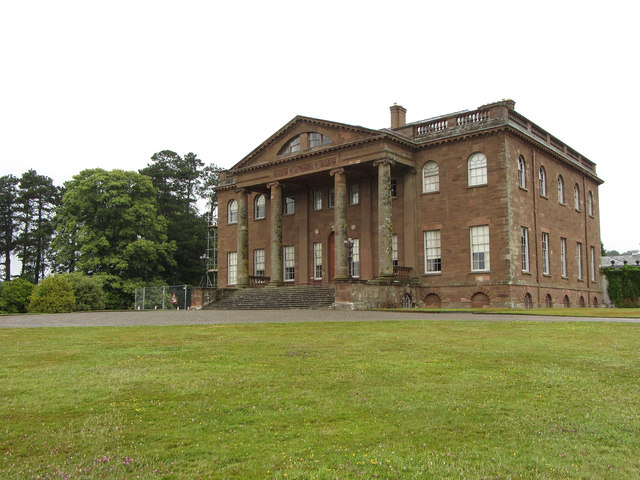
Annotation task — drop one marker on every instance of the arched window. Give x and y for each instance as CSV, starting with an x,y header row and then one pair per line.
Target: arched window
x,y
259,204
430,177
560,190
477,169
291,146
528,301
542,180
406,301
232,210
522,172
548,302
576,197
316,139
590,204
566,302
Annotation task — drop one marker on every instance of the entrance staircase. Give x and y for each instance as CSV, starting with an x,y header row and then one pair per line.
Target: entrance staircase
x,y
278,298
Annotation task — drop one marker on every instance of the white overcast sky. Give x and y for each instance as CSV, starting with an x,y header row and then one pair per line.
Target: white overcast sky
x,y
87,84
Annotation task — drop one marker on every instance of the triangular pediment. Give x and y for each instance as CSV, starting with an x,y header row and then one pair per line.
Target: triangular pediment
x,y
303,135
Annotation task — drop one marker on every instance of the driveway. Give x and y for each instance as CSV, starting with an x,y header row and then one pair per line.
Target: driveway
x,y
213,317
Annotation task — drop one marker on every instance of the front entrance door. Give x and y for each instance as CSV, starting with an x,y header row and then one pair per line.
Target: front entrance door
x,y
332,253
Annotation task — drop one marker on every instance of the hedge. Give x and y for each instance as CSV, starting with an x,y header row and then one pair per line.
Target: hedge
x,y
624,285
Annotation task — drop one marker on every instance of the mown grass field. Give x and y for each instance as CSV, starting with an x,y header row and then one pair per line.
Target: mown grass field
x,y
410,399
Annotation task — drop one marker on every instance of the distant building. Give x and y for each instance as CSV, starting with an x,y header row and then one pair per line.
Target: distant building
x,y
474,208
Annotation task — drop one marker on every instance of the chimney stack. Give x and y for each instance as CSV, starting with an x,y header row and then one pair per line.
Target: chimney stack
x,y
398,116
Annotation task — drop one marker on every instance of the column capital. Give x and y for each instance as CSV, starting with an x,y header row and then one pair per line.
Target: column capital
x,y
241,190
335,171
386,160
271,185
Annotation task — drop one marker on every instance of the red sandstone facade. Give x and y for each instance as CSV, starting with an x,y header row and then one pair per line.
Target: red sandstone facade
x,y
476,208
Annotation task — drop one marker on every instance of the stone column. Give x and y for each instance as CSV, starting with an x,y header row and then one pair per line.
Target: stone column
x,y
276,234
242,280
340,224
385,222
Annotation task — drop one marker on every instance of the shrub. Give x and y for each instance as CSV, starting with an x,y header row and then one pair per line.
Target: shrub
x,y
88,292
14,295
53,295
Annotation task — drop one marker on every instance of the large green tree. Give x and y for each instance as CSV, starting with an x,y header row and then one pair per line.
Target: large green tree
x,y
37,199
109,224
8,210
178,180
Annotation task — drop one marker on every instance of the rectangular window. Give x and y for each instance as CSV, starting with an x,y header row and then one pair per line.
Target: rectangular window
x,y
289,205
480,248
317,200
332,198
355,257
524,248
315,139
289,261
563,256
232,263
258,262
394,249
593,264
354,196
579,259
432,256
317,260
394,188
545,254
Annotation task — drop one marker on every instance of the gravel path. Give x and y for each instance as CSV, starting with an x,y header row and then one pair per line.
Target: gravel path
x,y
206,317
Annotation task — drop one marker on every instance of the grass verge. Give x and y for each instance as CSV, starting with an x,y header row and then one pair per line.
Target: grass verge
x,y
407,399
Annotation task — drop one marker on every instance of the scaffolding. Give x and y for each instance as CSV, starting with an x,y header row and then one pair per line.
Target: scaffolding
x,y
210,256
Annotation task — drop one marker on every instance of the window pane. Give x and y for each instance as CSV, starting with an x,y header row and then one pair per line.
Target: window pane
x,y
260,207
317,260
258,262
355,258
432,255
232,262
430,177
480,248
288,259
477,169
524,245
545,253
317,200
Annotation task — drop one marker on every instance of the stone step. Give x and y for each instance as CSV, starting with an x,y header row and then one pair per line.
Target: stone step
x,y
281,298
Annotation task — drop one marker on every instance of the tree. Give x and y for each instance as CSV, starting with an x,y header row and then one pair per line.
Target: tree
x,y
8,210
178,181
88,292
37,198
207,190
52,295
14,295
108,224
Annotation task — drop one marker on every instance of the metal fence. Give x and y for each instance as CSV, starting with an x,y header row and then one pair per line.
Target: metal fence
x,y
175,297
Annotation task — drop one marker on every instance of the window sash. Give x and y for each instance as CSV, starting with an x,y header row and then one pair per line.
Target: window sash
x,y
354,195
542,178
563,256
430,177
545,253
480,260
394,249
524,248
232,263
317,260
288,259
432,252
579,259
317,200
233,212
260,210
593,264
355,258
289,205
477,169
522,179
258,262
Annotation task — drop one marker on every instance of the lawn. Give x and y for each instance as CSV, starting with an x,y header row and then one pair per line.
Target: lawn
x,y
410,399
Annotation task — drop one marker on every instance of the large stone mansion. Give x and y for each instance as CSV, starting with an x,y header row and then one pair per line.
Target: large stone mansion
x,y
472,208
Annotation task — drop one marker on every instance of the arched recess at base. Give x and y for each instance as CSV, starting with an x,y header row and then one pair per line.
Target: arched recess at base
x,y
479,300
528,301
548,301
432,301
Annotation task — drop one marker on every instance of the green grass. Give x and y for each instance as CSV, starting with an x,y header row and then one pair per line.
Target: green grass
x,y
463,400
555,312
